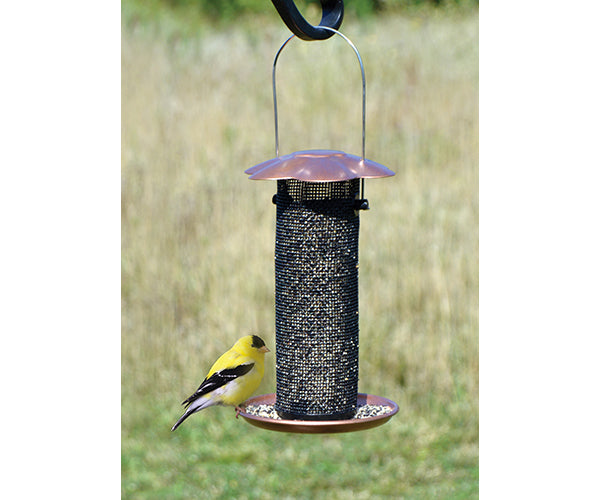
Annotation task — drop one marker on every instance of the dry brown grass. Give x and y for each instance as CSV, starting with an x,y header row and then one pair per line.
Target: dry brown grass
x,y
198,237
198,245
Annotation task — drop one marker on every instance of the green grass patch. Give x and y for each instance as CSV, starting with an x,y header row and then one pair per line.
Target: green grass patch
x,y
216,456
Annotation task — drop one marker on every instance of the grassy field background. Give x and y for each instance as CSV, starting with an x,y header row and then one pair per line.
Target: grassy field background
x,y
198,244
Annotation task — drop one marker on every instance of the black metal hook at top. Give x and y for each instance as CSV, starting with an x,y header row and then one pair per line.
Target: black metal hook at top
x,y
333,15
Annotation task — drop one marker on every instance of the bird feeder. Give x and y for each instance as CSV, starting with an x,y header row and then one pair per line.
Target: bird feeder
x,y
320,194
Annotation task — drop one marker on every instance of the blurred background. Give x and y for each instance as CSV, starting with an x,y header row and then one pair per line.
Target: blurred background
x,y
198,241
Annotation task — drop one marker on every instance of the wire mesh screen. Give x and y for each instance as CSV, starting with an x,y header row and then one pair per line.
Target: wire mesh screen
x,y
316,299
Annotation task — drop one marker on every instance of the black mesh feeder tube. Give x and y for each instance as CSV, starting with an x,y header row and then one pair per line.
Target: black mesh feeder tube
x,y
316,276
316,300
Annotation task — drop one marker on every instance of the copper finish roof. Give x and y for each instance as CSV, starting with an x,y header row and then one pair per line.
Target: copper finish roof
x,y
318,165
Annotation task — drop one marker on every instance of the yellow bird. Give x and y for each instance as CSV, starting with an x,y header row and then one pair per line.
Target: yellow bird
x,y
232,379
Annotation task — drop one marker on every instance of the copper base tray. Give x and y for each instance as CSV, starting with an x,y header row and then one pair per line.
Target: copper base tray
x,y
320,426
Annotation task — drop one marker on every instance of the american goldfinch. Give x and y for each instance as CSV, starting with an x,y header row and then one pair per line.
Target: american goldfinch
x,y
232,379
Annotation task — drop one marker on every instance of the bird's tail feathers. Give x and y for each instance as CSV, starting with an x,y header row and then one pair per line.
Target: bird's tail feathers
x,y
195,406
180,421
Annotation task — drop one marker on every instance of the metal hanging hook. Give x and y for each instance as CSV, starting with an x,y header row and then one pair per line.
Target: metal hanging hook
x,y
333,31
333,15
364,85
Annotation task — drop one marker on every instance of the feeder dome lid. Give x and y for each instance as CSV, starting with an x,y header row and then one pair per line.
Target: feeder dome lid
x,y
318,165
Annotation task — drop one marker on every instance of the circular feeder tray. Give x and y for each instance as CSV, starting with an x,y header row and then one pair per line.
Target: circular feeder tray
x,y
320,426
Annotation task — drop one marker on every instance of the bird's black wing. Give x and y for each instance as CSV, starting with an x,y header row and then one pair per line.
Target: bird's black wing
x,y
218,379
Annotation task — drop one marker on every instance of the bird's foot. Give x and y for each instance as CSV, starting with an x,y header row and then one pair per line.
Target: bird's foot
x,y
238,409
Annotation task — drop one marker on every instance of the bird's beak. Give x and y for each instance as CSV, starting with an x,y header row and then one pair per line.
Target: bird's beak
x,y
264,349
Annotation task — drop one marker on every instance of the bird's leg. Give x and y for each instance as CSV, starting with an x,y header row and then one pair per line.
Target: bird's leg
x,y
238,409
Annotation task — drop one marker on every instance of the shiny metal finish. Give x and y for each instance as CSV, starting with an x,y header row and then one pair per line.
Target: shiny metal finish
x,y
318,165
320,427
364,87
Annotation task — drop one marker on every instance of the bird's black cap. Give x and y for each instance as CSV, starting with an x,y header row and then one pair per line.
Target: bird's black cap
x,y
257,342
